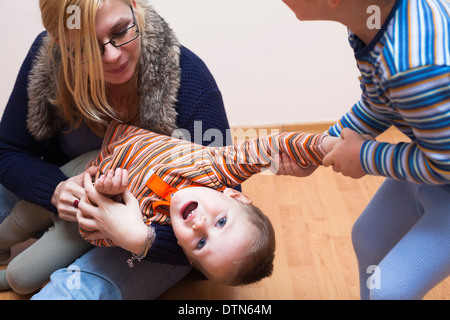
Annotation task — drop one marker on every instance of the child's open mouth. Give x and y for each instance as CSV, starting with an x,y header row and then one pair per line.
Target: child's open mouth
x,y
188,209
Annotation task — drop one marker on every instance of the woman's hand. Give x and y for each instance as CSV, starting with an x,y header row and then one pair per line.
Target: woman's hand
x,y
67,193
120,222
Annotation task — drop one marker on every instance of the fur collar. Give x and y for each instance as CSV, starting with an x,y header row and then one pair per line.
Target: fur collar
x,y
159,81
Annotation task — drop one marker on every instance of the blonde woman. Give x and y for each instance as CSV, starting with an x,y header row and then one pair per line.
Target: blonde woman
x,y
99,60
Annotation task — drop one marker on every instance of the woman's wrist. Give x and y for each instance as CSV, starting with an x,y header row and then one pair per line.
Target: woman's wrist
x,y
141,248
136,239
55,196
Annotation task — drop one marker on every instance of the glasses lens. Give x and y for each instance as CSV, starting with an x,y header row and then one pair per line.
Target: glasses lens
x,y
122,38
125,36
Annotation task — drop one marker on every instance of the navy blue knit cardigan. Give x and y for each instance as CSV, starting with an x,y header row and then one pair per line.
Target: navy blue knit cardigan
x,y
30,168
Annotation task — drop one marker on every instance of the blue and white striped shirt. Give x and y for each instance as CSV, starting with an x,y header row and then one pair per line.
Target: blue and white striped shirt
x,y
405,81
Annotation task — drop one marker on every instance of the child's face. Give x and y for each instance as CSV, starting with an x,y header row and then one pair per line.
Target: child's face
x,y
211,227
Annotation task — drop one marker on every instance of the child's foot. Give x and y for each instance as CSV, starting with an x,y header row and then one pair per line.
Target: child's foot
x,y
4,255
3,282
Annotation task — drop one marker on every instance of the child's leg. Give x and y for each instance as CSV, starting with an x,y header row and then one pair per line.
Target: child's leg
x,y
421,259
27,218
24,221
56,249
389,216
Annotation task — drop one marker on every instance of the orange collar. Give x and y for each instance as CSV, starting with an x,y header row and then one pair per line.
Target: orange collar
x,y
162,189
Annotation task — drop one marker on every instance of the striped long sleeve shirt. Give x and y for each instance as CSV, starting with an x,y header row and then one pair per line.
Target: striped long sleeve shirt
x,y
181,164
405,81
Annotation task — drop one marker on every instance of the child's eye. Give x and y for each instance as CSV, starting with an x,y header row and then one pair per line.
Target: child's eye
x,y
201,243
221,223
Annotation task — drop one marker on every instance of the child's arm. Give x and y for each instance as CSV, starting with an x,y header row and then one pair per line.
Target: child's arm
x,y
113,183
422,97
285,165
235,164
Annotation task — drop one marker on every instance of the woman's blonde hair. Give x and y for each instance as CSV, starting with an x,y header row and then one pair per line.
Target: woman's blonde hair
x,y
82,93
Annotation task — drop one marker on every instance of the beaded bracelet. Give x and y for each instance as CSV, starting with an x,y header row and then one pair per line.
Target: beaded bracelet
x,y
145,248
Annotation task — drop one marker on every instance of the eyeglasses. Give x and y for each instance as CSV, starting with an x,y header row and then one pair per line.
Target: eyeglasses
x,y
123,37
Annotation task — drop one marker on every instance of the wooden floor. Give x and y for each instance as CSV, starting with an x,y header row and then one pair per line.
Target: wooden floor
x,y
313,218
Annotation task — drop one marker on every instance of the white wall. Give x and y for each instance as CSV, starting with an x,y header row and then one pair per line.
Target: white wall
x,y
270,67
20,23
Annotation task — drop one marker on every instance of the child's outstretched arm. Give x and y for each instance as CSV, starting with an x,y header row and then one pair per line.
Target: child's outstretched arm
x,y
421,99
235,164
286,165
113,182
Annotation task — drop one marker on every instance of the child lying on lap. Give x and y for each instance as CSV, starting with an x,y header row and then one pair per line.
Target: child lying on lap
x,y
189,187
177,183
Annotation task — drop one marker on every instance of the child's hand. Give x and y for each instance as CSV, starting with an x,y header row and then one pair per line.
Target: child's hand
x,y
328,143
120,222
344,157
113,183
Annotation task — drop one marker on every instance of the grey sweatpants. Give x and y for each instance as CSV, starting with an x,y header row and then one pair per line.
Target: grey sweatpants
x,y
60,245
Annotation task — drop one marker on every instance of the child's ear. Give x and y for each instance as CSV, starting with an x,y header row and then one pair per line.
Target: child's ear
x,y
237,196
